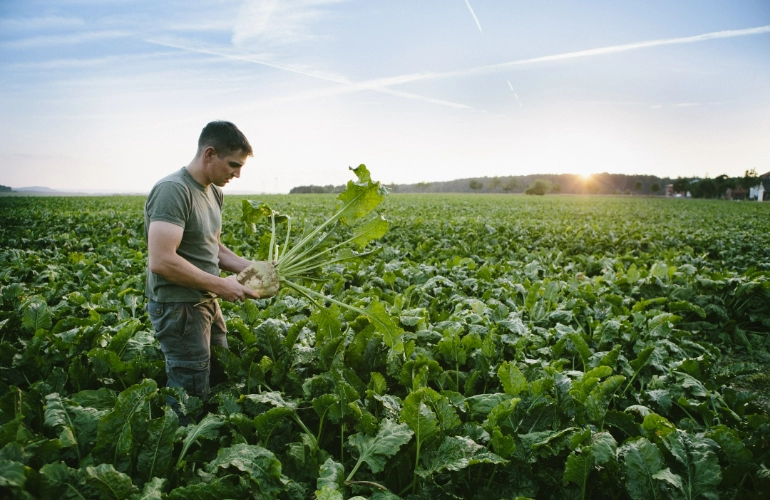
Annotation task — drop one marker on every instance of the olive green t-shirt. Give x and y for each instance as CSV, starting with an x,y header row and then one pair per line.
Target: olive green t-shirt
x,y
181,200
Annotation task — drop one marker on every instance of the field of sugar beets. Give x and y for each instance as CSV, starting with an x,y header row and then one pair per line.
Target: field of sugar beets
x,y
557,347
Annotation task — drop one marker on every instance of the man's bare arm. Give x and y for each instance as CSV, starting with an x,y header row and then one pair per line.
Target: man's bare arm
x,y
230,261
163,239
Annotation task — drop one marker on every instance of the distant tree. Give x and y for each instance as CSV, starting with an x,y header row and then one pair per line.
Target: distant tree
x,y
494,183
704,188
511,185
593,187
539,187
655,187
556,188
749,180
5,189
316,189
681,185
627,191
722,183
422,186
638,186
475,184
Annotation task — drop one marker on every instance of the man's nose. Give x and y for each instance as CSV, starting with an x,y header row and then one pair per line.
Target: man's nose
x,y
237,173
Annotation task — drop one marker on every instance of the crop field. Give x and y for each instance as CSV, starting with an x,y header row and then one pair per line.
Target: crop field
x,y
544,347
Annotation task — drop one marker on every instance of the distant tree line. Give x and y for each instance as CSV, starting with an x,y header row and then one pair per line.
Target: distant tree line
x,y
720,186
604,183
541,184
5,189
317,189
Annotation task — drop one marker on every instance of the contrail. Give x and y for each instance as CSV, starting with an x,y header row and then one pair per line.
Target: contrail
x,y
377,85
480,70
468,3
514,93
381,84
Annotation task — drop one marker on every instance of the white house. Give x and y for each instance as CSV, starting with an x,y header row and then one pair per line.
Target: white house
x,y
758,191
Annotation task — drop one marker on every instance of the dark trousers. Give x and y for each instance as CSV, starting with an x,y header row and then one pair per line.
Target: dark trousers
x,y
186,333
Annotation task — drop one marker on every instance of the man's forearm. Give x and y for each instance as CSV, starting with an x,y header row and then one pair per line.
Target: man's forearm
x,y
180,272
229,261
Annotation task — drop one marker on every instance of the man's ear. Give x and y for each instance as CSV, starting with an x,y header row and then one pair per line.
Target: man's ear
x,y
209,153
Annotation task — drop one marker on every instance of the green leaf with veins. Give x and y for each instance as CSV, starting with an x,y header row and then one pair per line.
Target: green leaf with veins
x,y
731,444
258,463
11,475
59,482
155,454
500,416
604,447
579,467
456,453
216,489
360,197
701,472
642,460
422,420
266,422
115,441
109,483
254,211
512,379
153,490
375,450
36,316
206,428
599,399
370,230
331,475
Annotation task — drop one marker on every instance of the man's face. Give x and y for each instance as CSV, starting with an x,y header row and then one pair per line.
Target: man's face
x,y
221,170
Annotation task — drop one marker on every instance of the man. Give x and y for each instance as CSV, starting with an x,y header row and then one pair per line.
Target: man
x,y
183,220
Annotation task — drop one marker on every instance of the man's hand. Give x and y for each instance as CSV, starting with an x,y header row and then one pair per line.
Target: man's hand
x,y
233,291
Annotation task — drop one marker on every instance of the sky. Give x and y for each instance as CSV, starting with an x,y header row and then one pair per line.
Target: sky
x,y
111,95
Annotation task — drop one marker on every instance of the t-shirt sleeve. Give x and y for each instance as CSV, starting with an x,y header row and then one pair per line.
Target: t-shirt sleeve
x,y
168,202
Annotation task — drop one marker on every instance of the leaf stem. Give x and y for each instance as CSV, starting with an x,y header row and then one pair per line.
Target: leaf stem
x,y
317,230
272,238
286,242
308,291
366,483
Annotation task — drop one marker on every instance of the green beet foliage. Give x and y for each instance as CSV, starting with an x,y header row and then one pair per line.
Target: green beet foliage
x,y
510,347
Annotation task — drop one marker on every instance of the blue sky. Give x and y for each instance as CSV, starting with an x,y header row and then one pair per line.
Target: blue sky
x,y
111,95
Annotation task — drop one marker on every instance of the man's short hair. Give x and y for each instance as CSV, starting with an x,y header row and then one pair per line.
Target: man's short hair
x,y
225,138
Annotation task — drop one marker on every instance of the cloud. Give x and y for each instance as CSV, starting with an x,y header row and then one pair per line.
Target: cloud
x,y
677,105
383,85
345,85
47,41
270,23
614,49
37,23
245,57
75,63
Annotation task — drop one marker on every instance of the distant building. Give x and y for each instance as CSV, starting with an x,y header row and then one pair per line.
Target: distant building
x,y
761,191
669,190
736,193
